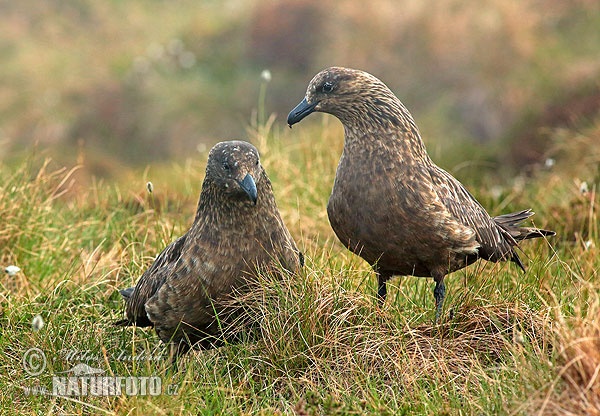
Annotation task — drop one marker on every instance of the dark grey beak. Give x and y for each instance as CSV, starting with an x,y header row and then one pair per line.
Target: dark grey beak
x,y
300,111
249,186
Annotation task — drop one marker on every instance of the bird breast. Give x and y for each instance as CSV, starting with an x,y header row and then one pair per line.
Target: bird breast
x,y
384,207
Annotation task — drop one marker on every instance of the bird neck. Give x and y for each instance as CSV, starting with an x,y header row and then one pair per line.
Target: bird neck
x,y
218,207
385,124
385,141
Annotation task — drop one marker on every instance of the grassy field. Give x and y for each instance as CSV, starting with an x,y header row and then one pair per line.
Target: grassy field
x,y
509,343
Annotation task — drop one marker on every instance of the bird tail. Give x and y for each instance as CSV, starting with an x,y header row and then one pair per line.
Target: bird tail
x,y
126,293
511,224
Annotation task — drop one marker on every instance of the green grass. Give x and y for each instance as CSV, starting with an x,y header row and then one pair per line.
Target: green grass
x,y
515,342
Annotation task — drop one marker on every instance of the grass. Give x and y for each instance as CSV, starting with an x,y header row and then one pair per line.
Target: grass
x,y
510,343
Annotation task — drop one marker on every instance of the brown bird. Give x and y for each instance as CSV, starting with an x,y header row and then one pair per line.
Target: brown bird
x,y
390,203
237,230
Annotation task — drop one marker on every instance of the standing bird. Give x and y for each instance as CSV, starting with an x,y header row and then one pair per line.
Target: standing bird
x,y
390,203
237,231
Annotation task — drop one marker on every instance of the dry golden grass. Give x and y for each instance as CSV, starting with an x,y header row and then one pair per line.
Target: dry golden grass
x,y
575,389
315,331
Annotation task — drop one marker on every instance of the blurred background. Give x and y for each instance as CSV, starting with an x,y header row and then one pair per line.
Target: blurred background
x,y
119,84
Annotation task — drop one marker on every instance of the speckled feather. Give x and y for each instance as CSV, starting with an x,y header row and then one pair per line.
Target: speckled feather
x,y
229,240
390,203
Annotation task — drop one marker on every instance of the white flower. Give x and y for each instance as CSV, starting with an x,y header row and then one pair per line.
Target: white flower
x,y
549,162
265,75
588,244
583,188
37,323
496,191
12,270
150,187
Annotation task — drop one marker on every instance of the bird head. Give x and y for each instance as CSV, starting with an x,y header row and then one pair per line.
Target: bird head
x,y
355,97
234,167
342,92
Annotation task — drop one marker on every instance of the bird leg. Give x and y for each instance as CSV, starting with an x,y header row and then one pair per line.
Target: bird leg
x,y
176,350
439,293
382,278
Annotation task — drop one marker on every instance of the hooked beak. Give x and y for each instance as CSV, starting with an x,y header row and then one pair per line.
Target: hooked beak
x,y
249,186
300,111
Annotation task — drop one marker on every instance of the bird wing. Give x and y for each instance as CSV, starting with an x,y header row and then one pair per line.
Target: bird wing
x,y
458,236
151,281
194,300
186,300
495,243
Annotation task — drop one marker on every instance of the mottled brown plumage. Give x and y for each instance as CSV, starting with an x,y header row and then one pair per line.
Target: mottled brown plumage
x,y
390,203
237,230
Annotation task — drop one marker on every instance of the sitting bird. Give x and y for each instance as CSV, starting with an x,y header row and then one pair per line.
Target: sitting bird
x,y
237,231
390,203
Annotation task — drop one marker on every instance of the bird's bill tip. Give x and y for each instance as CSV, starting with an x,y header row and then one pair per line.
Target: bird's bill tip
x,y
248,185
303,109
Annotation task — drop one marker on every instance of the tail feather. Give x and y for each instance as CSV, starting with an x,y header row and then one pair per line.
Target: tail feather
x,y
517,260
141,321
529,232
510,223
126,293
514,218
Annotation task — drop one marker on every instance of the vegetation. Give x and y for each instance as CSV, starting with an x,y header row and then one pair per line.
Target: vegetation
x,y
506,96
510,343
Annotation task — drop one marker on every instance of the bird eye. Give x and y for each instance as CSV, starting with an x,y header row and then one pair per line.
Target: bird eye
x,y
226,166
257,162
327,87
